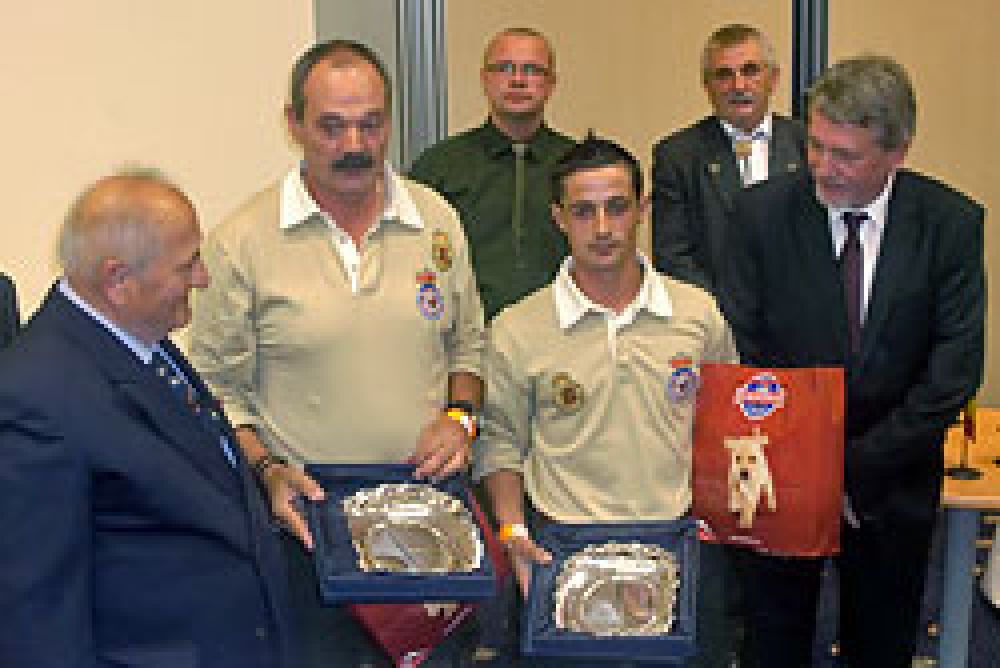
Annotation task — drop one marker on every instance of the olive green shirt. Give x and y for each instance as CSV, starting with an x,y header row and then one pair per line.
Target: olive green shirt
x,y
596,409
335,353
474,171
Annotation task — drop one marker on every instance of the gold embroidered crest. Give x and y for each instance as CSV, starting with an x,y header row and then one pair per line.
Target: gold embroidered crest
x,y
567,393
441,251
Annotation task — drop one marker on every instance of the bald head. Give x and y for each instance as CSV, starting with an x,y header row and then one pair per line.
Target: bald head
x,y
120,217
130,247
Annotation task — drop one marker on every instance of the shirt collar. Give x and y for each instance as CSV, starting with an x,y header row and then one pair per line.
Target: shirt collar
x,y
572,304
298,206
141,350
877,209
498,144
762,131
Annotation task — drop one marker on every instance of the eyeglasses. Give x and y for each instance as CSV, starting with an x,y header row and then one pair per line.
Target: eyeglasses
x,y
510,69
746,70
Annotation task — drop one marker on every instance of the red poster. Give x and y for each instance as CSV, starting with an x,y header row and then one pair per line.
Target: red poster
x,y
769,457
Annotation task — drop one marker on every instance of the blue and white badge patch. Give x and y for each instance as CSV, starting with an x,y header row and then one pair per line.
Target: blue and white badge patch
x,y
682,384
429,299
760,397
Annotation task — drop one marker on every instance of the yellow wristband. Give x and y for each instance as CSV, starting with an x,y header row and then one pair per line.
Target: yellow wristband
x,y
509,532
467,421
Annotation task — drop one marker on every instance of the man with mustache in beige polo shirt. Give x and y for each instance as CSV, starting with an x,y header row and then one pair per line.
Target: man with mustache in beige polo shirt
x,y
591,380
343,318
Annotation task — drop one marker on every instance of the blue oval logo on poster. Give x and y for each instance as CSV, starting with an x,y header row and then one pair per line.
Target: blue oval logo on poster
x,y
760,396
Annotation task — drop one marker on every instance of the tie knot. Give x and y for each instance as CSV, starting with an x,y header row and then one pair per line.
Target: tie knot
x,y
743,148
853,219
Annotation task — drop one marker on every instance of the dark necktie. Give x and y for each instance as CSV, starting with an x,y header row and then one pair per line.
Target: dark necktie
x,y
851,270
517,207
206,414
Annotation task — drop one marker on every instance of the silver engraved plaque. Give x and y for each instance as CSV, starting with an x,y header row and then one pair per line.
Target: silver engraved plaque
x,y
617,589
412,528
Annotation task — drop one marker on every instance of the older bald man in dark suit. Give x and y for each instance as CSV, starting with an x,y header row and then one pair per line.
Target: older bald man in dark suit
x,y
133,532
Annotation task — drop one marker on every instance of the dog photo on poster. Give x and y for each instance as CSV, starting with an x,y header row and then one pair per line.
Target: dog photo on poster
x,y
768,457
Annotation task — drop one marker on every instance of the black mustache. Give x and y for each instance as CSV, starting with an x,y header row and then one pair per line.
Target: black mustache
x,y
739,96
353,161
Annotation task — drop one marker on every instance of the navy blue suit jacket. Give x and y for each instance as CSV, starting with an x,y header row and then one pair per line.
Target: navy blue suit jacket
x,y
127,538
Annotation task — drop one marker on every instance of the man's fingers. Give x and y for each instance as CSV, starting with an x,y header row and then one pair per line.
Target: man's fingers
x,y
286,486
296,524
457,462
526,552
305,485
529,550
522,570
442,462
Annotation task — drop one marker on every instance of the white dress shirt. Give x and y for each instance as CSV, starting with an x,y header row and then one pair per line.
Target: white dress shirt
x,y
753,170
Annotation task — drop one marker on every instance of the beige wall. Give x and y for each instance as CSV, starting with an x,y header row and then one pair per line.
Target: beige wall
x,y
192,86
628,69
952,58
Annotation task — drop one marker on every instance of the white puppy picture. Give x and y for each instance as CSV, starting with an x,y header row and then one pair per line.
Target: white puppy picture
x,y
749,477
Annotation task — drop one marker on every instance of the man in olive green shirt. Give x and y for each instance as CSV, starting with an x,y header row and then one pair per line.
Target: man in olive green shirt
x,y
497,175
591,381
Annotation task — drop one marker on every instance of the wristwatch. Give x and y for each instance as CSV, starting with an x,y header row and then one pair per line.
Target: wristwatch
x,y
264,464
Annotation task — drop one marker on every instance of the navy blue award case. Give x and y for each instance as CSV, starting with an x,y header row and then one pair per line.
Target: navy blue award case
x,y
539,635
340,578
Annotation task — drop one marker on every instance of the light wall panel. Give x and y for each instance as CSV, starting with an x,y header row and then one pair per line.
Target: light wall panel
x,y
193,87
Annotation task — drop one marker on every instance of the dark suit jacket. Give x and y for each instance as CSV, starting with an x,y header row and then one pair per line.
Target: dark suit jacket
x,y
127,538
695,178
921,355
10,321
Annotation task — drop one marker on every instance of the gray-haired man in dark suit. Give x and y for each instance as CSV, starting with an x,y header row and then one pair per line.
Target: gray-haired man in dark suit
x,y
698,170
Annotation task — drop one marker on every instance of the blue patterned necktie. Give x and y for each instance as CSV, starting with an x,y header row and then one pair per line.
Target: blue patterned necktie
x,y
206,414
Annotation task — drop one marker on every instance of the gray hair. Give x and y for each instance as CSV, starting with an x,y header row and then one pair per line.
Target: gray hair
x,y
868,91
732,35
106,222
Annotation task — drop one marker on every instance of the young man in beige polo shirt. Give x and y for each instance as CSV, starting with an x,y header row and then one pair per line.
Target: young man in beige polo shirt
x,y
591,380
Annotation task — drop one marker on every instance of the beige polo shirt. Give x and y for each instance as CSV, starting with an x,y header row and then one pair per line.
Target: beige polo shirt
x,y
337,353
595,409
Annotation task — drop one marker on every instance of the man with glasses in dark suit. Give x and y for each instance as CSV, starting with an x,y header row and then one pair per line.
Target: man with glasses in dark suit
x,y
698,170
